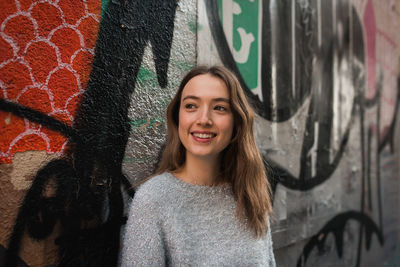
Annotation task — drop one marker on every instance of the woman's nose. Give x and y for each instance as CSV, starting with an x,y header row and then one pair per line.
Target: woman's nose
x,y
204,118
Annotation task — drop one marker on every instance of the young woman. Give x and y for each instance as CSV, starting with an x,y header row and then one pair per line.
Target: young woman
x,y
209,203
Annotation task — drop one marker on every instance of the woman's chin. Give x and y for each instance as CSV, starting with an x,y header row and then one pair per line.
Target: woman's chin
x,y
203,154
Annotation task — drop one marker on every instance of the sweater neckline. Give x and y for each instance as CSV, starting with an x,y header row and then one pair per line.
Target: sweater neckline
x,y
197,187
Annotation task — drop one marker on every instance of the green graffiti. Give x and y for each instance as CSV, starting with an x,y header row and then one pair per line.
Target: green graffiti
x,y
219,2
146,123
199,27
183,66
147,80
192,26
146,76
246,21
104,4
164,103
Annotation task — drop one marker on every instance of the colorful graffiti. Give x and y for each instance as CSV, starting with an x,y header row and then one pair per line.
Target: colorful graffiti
x,y
41,71
321,76
52,88
317,60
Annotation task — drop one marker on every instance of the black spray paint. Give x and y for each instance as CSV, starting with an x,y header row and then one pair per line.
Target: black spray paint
x,y
336,227
88,201
313,77
313,55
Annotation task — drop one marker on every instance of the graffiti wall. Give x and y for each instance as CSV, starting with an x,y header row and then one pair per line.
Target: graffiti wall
x,y
83,90
323,77
84,86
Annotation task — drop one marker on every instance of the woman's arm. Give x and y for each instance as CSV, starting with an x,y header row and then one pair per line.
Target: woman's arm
x,y
142,243
271,262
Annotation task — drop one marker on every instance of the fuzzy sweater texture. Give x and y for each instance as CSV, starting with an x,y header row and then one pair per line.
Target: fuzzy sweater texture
x,y
174,223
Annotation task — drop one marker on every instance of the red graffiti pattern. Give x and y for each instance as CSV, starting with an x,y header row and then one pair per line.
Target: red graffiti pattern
x,y
46,51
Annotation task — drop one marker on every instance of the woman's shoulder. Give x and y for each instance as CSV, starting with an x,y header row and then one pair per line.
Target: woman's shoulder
x,y
156,189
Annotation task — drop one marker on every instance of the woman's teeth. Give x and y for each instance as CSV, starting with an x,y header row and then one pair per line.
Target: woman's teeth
x,y
203,135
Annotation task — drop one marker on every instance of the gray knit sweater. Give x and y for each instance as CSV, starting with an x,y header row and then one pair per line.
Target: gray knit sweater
x,y
174,223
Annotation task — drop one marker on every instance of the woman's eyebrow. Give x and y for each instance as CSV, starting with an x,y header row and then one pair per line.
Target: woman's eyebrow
x,y
221,99
190,97
218,99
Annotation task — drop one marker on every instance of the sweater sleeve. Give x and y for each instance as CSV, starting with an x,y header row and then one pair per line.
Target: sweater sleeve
x,y
143,242
271,262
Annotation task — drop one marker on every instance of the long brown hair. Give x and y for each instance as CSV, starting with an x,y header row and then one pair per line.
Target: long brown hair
x,y
241,162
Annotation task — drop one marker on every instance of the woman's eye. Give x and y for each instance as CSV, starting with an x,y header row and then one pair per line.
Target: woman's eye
x,y
189,106
220,108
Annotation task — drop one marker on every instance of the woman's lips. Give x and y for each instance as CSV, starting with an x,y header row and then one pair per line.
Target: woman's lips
x,y
203,137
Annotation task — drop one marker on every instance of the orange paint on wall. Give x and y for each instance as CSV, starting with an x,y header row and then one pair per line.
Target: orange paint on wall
x,y
42,59
79,65
85,27
21,30
7,8
53,61
10,127
60,81
6,51
94,7
59,38
16,77
73,10
37,99
72,103
25,4
48,17
32,141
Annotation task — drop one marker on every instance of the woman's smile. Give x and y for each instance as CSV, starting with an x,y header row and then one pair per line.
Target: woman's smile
x,y
205,117
203,137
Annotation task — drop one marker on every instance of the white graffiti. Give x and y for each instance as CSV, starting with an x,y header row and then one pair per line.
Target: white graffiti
x,y
242,55
230,8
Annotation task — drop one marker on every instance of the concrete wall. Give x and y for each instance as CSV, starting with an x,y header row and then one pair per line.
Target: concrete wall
x,y
322,76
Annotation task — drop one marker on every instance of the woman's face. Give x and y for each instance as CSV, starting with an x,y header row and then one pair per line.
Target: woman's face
x,y
205,117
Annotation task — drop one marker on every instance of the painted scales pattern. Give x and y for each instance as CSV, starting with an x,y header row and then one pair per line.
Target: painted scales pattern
x,y
46,51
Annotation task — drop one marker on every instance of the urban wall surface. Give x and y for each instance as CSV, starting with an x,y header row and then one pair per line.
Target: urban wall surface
x,y
83,90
